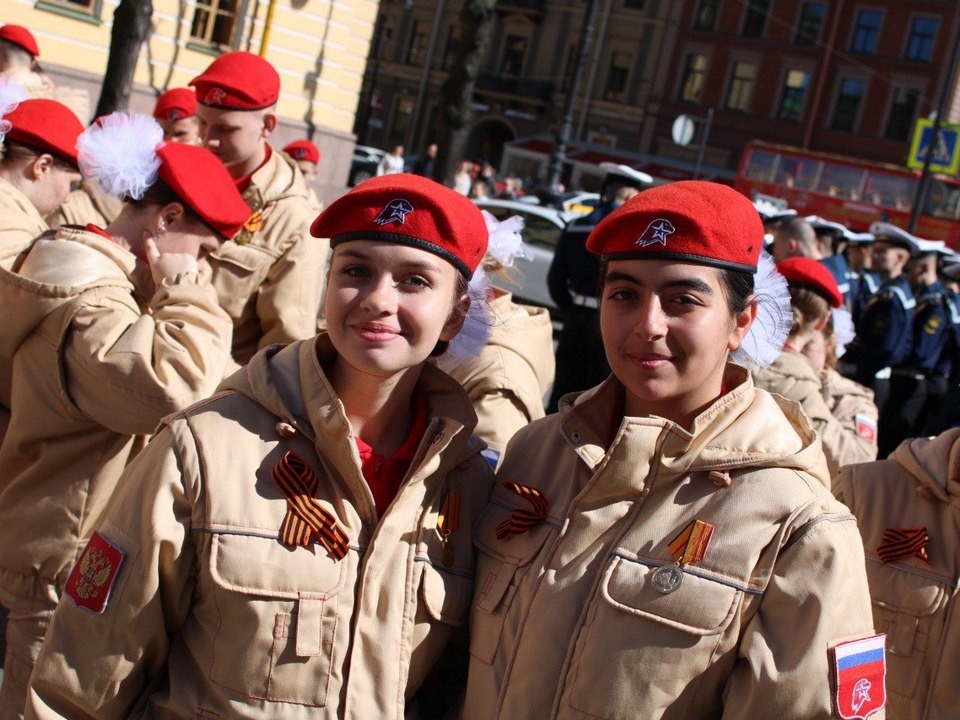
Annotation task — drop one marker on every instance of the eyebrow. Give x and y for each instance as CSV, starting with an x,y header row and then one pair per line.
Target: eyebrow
x,y
360,255
690,283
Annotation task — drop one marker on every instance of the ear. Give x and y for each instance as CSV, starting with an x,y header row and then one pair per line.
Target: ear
x,y
41,166
269,123
169,216
742,324
820,324
458,314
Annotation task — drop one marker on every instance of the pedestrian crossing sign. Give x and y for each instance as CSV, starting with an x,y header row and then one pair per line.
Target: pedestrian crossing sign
x,y
946,148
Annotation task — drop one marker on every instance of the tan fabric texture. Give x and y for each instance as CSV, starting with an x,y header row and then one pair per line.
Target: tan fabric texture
x,y
849,400
792,376
20,224
566,621
270,280
914,602
211,616
88,371
509,378
87,205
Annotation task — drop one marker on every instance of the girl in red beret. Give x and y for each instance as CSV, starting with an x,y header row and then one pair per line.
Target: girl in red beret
x,y
299,545
106,331
665,546
796,373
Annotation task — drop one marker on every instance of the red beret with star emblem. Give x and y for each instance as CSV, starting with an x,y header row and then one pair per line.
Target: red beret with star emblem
x,y
238,80
176,104
303,150
200,179
410,210
21,37
813,275
47,126
691,221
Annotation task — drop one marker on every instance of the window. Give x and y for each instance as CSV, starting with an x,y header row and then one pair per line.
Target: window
x,y
866,31
755,18
694,72
741,86
848,104
794,91
84,7
902,112
213,22
417,50
634,4
706,17
450,47
617,76
810,24
513,51
923,31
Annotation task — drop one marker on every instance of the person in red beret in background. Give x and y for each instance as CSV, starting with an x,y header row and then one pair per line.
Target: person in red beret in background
x,y
815,298
665,546
176,111
106,331
299,545
307,156
38,166
270,278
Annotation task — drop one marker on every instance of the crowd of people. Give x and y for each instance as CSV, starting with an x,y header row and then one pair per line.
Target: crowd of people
x,y
262,458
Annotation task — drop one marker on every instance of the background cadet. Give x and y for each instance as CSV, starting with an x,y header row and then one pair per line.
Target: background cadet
x,y
299,546
814,296
38,164
920,374
176,112
831,243
794,237
572,280
106,331
267,278
666,546
908,512
885,326
863,281
307,157
508,376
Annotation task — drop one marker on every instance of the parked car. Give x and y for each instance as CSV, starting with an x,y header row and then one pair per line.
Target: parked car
x,y
364,163
542,228
580,202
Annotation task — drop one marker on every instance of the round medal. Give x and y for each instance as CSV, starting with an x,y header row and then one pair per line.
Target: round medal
x,y
667,578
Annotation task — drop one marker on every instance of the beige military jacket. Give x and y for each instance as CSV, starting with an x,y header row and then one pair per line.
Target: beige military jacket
x,y
914,600
89,369
852,405
509,378
567,621
792,376
270,278
211,616
87,205
20,224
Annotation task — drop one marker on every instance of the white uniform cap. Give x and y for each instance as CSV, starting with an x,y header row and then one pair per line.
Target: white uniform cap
x,y
863,238
627,172
771,212
885,232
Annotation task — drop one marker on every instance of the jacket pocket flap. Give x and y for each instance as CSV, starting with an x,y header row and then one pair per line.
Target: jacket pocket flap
x,y
518,549
699,605
445,596
901,591
241,257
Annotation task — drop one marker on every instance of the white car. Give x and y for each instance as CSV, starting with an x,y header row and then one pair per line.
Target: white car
x,y
541,229
364,163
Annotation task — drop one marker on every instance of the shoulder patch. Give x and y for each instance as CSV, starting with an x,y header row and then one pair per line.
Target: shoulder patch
x,y
861,672
92,578
866,427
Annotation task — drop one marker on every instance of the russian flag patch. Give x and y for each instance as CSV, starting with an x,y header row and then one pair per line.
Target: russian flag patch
x,y
861,671
866,427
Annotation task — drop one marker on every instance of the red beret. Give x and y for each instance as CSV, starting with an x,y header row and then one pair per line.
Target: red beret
x,y
238,80
691,221
410,210
303,150
46,125
201,180
19,35
175,104
813,275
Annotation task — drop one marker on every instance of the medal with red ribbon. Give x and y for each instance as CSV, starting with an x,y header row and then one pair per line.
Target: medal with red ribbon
x,y
447,523
900,543
690,546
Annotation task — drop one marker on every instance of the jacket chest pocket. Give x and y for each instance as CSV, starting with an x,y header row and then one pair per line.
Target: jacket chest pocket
x,y
640,647
278,613
501,566
910,609
238,270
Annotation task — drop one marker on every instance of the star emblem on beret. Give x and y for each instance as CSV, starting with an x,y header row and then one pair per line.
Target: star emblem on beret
x,y
394,211
657,232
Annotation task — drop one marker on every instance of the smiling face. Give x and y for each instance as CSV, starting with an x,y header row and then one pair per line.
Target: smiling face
x,y
388,304
667,330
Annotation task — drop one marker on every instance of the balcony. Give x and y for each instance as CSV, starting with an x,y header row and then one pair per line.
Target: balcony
x,y
514,85
537,7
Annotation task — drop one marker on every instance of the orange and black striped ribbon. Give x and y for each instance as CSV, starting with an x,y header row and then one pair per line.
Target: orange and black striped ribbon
x,y
691,544
306,518
899,543
449,518
521,520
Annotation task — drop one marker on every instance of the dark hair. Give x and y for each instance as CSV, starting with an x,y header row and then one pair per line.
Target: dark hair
x,y
737,286
160,194
458,292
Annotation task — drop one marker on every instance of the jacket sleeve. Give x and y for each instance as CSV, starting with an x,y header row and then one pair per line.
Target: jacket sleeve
x,y
126,371
288,300
853,409
816,598
101,665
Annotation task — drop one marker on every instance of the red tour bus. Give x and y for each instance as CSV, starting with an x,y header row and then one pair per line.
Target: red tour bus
x,y
852,192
